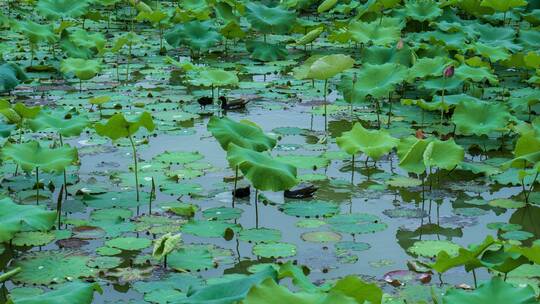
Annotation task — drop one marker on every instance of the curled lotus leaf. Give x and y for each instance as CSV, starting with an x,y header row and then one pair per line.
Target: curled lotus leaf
x,y
243,134
374,143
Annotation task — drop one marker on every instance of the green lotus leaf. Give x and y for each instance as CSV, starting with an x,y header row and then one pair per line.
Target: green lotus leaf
x,y
373,143
310,36
16,114
378,80
321,237
260,235
356,223
216,78
14,218
205,228
32,155
274,250
60,9
304,161
526,151
302,71
443,154
222,213
476,74
377,55
232,291
11,75
374,32
432,248
361,291
129,243
493,53
468,257
118,127
263,51
422,10
36,32
73,292
269,20
84,69
269,292
411,154
46,267
178,157
326,5
503,5
310,208
480,118
190,259
329,66
198,35
496,36
244,134
32,238
493,291
264,172
127,39
506,203
166,244
64,123
86,40
424,67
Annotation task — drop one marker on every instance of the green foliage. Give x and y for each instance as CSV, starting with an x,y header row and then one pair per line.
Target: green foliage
x,y
32,155
15,218
373,143
119,127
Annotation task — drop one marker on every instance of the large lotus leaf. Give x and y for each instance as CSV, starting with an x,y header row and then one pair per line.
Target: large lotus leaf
x,y
68,293
46,267
11,75
36,32
443,154
411,154
84,69
326,5
526,150
375,32
264,172
493,53
495,291
263,51
310,208
244,134
127,39
32,155
503,5
361,291
191,259
129,243
378,80
15,114
216,77
205,228
118,127
329,66
422,10
86,40
496,36
274,250
476,74
480,118
530,38
15,218
59,9
64,123
229,292
468,257
356,223
260,235
302,71
198,35
431,248
269,292
269,20
380,55
373,143
427,67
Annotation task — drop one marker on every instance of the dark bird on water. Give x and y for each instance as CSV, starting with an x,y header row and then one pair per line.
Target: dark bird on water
x,y
205,101
301,191
233,104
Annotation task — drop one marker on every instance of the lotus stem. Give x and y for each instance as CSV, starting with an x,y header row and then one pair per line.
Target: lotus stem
x,y
474,278
165,261
59,207
235,185
390,111
352,170
128,62
135,166
152,196
65,190
325,111
256,208
37,185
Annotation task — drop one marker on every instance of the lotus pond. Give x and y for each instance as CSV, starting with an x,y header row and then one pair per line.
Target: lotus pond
x,y
293,151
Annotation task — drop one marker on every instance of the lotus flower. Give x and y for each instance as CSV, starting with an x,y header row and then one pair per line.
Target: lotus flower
x,y
449,71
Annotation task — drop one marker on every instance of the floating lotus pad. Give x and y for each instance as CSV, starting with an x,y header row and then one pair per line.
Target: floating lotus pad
x,y
310,208
274,250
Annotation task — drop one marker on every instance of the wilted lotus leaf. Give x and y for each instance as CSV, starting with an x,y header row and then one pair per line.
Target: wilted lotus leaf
x,y
166,244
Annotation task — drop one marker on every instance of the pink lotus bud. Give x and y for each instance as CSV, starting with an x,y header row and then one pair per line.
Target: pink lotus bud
x,y
449,71
400,44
